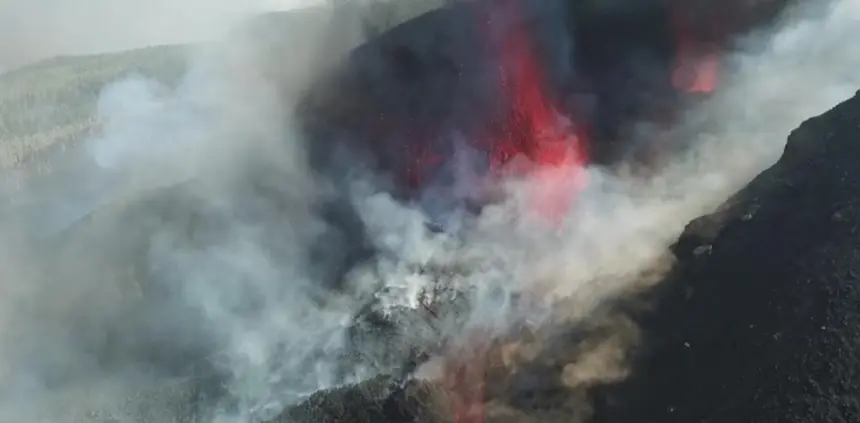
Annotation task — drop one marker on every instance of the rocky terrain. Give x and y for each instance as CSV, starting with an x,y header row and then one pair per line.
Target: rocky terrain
x,y
757,321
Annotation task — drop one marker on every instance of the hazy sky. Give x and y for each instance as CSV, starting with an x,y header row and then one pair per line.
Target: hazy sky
x,y
33,29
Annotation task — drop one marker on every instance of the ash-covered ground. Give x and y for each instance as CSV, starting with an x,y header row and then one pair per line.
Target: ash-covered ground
x,y
220,283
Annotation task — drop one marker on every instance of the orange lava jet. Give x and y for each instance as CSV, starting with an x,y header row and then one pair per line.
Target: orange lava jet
x,y
696,72
535,128
697,62
554,145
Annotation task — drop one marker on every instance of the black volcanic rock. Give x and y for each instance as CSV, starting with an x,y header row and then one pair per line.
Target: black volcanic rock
x,y
760,324
759,329
606,65
757,323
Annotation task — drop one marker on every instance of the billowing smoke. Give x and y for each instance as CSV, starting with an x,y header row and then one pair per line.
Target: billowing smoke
x,y
80,330
208,245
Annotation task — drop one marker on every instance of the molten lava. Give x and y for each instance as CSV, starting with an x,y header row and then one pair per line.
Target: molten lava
x,y
555,146
534,127
697,61
696,72
536,130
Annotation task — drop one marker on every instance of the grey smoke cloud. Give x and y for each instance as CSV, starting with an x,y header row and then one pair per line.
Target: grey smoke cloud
x,y
621,226
229,241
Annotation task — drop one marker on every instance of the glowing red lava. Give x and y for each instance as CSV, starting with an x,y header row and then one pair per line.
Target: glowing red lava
x,y
535,128
697,62
554,145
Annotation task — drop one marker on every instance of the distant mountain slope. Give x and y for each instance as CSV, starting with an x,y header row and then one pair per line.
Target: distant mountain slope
x,y
53,102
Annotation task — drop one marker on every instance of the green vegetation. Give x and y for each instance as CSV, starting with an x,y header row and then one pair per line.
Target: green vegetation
x,y
51,104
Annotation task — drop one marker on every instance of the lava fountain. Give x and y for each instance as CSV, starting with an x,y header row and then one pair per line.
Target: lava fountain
x,y
554,146
534,128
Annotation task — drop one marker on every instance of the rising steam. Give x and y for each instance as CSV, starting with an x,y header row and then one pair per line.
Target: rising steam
x,y
206,190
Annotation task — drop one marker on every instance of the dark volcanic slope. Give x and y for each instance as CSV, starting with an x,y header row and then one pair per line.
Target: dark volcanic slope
x,y
764,326
607,65
758,323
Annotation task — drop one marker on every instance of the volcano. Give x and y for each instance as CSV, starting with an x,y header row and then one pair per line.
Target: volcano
x,y
756,322
440,107
757,311
724,364
498,73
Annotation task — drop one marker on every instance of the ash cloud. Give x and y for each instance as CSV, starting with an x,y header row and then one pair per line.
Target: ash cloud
x,y
208,248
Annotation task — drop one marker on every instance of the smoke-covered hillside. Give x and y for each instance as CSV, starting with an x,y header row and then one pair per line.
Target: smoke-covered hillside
x,y
53,102
175,251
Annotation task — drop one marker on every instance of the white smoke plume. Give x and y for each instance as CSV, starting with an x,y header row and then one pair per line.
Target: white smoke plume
x,y
230,238
622,224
